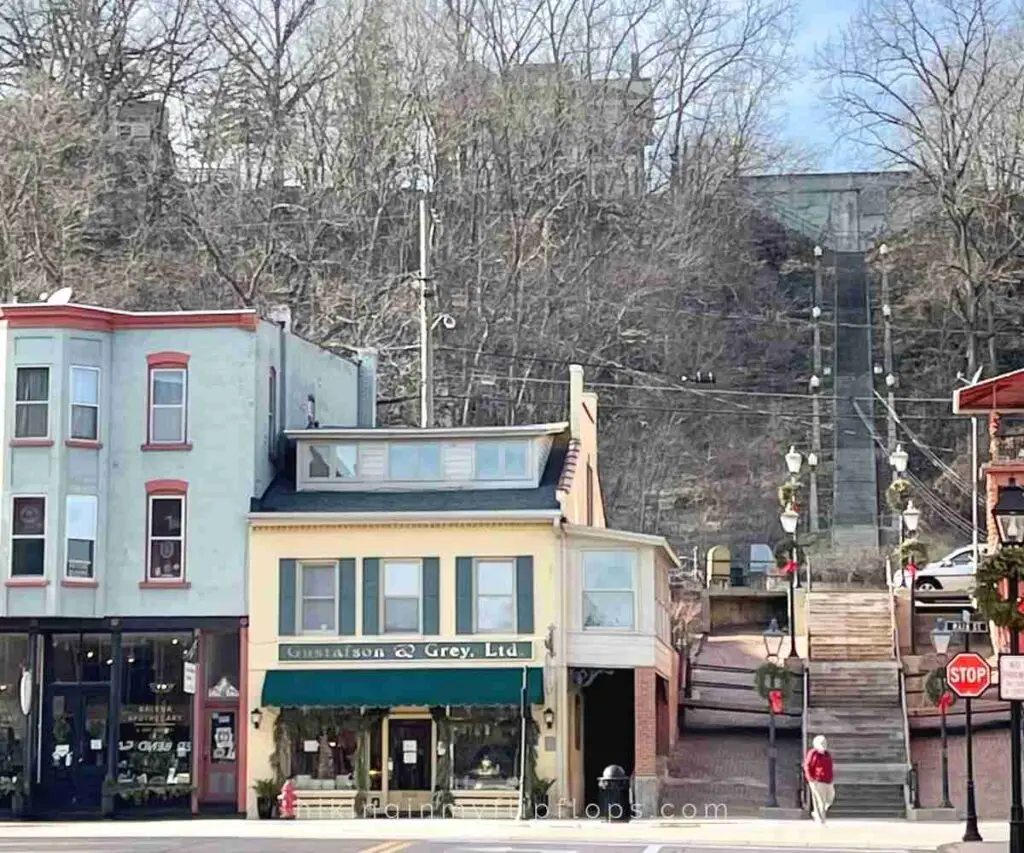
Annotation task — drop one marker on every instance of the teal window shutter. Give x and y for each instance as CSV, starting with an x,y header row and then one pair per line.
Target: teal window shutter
x,y
347,596
463,595
431,595
286,598
371,596
524,595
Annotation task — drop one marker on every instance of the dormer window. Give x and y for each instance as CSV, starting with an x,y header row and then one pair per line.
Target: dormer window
x,y
333,461
408,461
502,460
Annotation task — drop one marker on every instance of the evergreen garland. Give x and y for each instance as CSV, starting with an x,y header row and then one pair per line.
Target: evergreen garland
x,y
789,493
911,551
935,687
784,553
1004,565
771,676
897,496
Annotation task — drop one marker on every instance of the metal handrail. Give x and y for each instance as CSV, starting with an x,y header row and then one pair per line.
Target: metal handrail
x,y
807,697
908,803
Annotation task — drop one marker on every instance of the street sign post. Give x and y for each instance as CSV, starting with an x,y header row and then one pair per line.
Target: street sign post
x,y
955,626
1011,678
968,675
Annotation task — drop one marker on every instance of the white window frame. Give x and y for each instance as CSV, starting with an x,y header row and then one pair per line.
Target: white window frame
x,y
73,404
418,474
633,591
46,402
511,562
68,537
300,599
502,446
153,405
150,539
46,530
410,561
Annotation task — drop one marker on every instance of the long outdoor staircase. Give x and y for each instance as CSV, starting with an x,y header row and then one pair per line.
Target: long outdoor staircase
x,y
855,699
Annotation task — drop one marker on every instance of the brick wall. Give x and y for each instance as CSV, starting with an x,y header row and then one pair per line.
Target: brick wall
x,y
991,771
645,724
673,700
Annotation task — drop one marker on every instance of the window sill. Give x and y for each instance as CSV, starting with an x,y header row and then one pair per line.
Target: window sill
x,y
164,585
88,583
177,446
31,442
83,444
26,581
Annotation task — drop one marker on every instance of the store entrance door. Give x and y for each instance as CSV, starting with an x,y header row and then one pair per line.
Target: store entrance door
x,y
75,749
220,761
409,756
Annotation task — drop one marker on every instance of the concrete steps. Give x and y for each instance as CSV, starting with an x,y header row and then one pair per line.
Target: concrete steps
x,y
850,626
853,684
869,801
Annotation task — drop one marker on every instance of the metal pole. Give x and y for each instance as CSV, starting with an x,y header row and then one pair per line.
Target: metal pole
x,y
773,802
971,832
426,357
946,804
913,595
815,398
887,343
792,606
1016,809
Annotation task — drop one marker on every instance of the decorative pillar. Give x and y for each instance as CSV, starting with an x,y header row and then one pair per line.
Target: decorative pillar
x,y
113,717
242,748
646,793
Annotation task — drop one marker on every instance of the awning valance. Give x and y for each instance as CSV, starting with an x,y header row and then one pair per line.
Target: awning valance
x,y
384,688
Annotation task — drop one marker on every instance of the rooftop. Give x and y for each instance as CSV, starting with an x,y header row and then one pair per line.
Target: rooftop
x,y
29,315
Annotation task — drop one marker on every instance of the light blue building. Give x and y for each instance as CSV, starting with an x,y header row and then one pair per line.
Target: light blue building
x,y
134,444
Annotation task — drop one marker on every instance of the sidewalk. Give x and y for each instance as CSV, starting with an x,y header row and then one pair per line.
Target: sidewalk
x,y
845,834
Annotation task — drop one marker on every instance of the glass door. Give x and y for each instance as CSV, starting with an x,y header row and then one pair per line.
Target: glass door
x,y
219,756
77,739
409,763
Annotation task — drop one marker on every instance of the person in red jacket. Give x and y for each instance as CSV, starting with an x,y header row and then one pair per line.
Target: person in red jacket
x,y
818,772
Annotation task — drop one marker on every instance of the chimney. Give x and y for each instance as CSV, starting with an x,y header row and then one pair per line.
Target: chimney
x,y
575,399
282,315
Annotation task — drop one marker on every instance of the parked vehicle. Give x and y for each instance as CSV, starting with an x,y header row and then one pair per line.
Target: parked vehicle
x,y
953,573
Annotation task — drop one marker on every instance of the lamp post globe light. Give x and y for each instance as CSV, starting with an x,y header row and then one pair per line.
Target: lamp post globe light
x,y
940,640
789,519
899,459
793,461
773,637
911,517
1008,514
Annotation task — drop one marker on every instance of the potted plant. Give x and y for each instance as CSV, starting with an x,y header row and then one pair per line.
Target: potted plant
x,y
266,795
541,787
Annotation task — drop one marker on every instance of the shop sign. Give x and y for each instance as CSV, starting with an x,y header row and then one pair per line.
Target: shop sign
x,y
222,736
153,715
404,651
189,677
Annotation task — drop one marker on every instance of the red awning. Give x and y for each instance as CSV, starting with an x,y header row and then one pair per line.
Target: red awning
x,y
1000,394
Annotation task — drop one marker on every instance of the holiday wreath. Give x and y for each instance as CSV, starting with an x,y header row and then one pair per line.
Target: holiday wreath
x,y
991,597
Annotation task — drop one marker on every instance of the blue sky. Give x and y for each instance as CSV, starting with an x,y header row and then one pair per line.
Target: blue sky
x,y
806,121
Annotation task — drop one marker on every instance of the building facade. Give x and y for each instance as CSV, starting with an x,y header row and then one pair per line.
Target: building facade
x,y
428,609
133,445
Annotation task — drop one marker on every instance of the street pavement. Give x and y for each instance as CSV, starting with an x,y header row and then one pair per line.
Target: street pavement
x,y
491,836
280,845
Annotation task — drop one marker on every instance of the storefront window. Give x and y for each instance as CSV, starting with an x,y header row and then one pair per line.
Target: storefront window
x,y
324,756
155,735
485,750
81,657
220,665
13,723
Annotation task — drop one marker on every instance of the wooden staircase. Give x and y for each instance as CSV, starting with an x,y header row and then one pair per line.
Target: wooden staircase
x,y
854,700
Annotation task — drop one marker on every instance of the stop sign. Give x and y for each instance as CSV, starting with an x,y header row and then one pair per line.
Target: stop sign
x,y
968,675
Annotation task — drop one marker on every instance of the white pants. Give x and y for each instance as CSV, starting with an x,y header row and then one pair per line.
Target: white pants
x,y
823,794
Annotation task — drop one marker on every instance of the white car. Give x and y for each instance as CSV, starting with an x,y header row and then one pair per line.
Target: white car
x,y
954,572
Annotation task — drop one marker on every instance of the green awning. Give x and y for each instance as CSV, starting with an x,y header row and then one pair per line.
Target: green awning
x,y
384,688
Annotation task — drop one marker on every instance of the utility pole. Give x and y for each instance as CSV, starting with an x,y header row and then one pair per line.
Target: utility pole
x,y
815,393
426,351
890,377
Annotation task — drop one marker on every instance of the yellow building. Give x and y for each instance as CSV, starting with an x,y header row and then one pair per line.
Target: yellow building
x,y
412,592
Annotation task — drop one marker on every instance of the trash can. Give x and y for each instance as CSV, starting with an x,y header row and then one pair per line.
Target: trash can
x,y
613,793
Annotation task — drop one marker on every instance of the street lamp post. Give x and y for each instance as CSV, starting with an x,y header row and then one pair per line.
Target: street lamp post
x,y
794,462
790,519
773,638
1008,514
940,640
899,459
911,516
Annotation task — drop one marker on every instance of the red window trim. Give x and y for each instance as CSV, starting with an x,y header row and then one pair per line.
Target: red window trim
x,y
31,442
166,488
26,581
88,583
165,360
84,444
168,358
